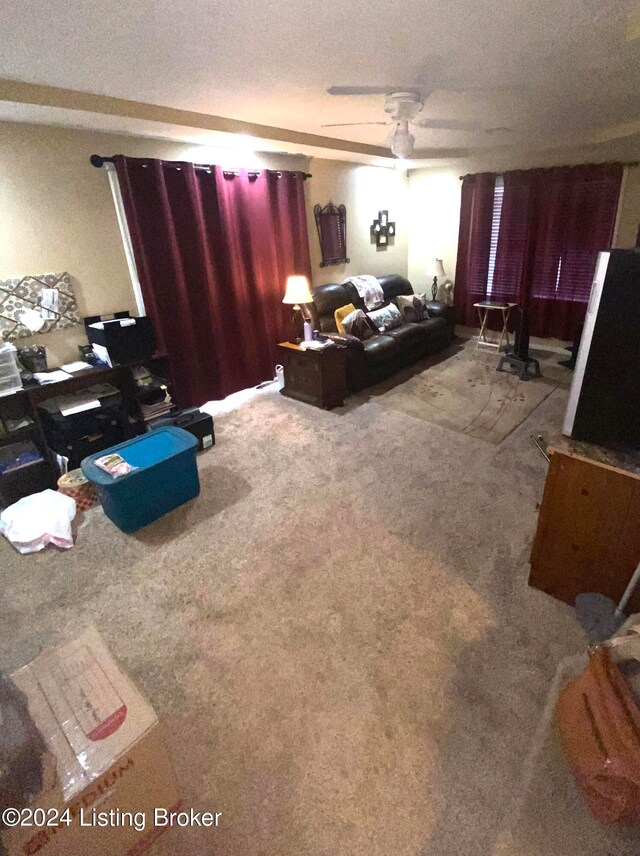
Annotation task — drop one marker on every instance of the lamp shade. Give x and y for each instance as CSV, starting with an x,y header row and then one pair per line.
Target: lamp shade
x,y
436,268
297,290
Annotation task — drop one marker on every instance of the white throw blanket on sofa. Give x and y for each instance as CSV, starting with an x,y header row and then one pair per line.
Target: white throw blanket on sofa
x,y
369,289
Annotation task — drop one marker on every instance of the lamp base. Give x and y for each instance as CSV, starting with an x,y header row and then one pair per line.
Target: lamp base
x,y
295,326
434,287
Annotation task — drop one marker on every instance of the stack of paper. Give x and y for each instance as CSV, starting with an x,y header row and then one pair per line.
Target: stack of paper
x,y
78,366
160,408
317,345
51,377
70,404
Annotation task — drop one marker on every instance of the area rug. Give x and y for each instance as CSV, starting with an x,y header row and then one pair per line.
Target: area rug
x,y
465,393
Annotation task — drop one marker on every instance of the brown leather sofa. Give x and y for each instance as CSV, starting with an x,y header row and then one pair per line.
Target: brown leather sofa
x,y
375,359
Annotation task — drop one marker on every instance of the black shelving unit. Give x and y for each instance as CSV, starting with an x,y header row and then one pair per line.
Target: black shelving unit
x,y
24,403
32,477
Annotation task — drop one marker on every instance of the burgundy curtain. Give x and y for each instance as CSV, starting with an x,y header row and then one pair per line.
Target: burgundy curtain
x,y
576,215
213,249
553,224
474,244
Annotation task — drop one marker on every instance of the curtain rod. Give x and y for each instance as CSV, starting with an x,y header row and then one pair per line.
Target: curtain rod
x,y
562,166
99,161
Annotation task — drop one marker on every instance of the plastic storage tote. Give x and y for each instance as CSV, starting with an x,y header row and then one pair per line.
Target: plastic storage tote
x,y
10,380
166,477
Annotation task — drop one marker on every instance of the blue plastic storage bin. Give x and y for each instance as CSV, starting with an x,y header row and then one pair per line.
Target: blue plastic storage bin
x,y
166,477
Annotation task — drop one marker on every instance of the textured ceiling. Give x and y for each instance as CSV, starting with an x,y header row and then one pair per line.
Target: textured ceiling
x,y
548,71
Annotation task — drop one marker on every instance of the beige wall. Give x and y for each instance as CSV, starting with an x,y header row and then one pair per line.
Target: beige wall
x,y
434,200
57,212
364,190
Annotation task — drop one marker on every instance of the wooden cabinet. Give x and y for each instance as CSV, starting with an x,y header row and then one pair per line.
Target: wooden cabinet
x,y
588,536
315,377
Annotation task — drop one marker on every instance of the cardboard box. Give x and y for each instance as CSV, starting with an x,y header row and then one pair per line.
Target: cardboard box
x,y
106,770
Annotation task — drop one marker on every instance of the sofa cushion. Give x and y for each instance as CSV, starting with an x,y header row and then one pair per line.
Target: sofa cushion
x,y
379,349
407,335
437,309
341,313
393,285
386,318
345,340
432,325
353,294
357,324
326,299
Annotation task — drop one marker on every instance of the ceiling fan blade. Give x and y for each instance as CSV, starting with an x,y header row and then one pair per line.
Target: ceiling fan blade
x,y
448,124
370,90
500,87
351,124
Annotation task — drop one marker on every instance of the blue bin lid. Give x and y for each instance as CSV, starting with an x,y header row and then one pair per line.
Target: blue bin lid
x,y
141,452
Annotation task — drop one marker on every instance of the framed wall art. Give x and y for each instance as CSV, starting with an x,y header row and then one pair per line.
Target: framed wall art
x,y
331,222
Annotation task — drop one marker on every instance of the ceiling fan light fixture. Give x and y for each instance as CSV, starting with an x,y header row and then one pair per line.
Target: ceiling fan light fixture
x,y
402,143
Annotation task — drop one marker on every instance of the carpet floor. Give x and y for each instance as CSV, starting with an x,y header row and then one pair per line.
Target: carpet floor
x,y
337,635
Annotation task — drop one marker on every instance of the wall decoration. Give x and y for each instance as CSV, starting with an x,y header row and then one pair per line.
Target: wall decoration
x,y
41,303
382,230
331,222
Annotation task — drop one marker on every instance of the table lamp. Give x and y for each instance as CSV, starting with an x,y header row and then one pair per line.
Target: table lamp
x,y
436,270
297,293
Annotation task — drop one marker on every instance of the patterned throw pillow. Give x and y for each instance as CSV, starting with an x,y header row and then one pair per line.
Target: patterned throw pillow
x,y
413,307
341,313
386,318
357,324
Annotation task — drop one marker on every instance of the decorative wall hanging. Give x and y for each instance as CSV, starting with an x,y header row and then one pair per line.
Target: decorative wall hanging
x,y
37,304
382,230
332,232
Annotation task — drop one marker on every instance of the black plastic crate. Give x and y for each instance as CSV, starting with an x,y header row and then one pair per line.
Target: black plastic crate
x,y
192,420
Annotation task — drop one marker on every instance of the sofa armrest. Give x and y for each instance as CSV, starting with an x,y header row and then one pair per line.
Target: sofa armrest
x,y
438,309
346,340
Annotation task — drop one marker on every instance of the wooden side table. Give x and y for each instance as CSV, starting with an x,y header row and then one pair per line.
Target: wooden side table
x,y
484,307
315,377
588,536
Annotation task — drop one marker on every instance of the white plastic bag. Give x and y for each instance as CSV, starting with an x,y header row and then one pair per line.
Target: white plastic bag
x,y
37,520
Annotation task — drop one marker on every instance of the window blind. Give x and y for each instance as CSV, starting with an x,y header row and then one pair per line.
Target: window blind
x,y
587,212
498,195
511,239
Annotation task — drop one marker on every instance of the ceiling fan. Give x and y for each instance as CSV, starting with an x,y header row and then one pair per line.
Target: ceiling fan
x,y
403,106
